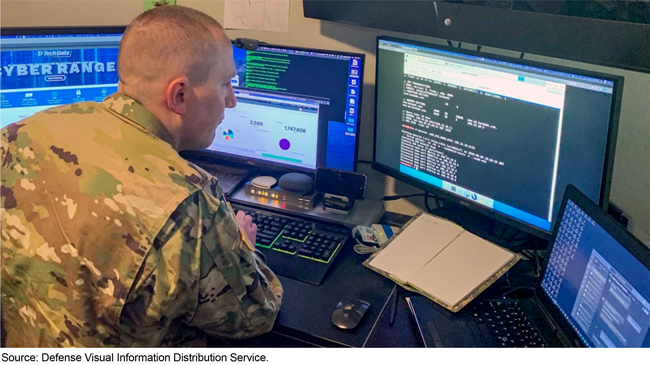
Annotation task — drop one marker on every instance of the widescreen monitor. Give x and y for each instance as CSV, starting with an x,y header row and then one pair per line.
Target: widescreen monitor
x,y
297,109
503,136
46,67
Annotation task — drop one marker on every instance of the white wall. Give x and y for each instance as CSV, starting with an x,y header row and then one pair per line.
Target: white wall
x,y
631,178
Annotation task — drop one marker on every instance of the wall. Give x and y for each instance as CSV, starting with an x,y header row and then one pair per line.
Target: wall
x,y
631,178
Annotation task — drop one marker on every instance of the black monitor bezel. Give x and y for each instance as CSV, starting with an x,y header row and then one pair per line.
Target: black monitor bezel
x,y
241,161
531,229
633,245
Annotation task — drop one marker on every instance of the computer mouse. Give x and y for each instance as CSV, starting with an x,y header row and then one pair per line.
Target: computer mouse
x,y
348,313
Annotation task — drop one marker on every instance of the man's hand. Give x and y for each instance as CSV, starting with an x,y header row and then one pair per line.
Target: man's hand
x,y
246,223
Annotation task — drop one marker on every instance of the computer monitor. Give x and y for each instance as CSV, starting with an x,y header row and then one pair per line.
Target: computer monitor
x,y
500,135
595,283
45,67
297,109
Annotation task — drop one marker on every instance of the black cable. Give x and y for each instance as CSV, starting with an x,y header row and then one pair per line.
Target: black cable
x,y
501,235
510,287
515,288
513,238
436,199
459,45
395,197
522,55
426,201
450,44
514,241
426,196
503,232
527,255
364,161
478,48
493,229
537,268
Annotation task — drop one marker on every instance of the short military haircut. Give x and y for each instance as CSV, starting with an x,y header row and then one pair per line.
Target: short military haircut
x,y
166,41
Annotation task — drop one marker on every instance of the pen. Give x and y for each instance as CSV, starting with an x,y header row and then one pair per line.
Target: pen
x,y
392,314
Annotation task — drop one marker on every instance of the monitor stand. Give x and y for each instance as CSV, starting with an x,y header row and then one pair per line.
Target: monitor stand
x,y
364,213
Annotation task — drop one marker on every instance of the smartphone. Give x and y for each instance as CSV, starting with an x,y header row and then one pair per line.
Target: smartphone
x,y
339,182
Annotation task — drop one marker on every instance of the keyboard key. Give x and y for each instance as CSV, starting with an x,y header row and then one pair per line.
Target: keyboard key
x,y
268,232
264,235
506,323
315,241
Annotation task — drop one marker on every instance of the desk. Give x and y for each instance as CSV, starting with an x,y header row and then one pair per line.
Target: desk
x,y
305,318
306,311
305,315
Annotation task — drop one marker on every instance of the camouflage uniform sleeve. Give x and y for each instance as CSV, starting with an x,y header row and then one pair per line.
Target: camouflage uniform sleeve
x,y
238,295
200,272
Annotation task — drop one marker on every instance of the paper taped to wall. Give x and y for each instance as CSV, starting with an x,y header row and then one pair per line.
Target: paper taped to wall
x,y
269,15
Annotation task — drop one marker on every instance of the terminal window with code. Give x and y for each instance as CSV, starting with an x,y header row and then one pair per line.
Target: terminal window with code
x,y
504,135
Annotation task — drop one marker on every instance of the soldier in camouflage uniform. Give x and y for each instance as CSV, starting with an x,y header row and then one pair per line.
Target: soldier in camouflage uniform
x,y
109,237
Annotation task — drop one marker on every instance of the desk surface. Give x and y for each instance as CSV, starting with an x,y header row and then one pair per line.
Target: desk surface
x,y
307,309
306,312
305,315
305,318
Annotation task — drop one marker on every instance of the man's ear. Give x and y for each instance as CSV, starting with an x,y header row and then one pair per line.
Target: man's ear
x,y
176,95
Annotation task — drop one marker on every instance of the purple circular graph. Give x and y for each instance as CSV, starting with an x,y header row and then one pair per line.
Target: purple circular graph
x,y
285,144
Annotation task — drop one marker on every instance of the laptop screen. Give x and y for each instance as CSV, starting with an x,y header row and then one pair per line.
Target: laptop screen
x,y
601,289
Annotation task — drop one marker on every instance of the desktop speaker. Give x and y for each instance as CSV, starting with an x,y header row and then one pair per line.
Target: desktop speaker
x,y
295,182
264,182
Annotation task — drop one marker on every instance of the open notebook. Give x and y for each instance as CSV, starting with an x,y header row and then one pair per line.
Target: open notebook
x,y
441,260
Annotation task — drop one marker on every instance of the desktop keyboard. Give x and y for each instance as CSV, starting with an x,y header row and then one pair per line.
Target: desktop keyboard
x,y
506,324
297,248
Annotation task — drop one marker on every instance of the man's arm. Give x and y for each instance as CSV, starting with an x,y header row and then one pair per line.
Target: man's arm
x,y
200,271
239,296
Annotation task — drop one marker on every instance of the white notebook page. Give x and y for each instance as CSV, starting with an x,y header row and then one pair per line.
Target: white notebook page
x,y
414,246
460,268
